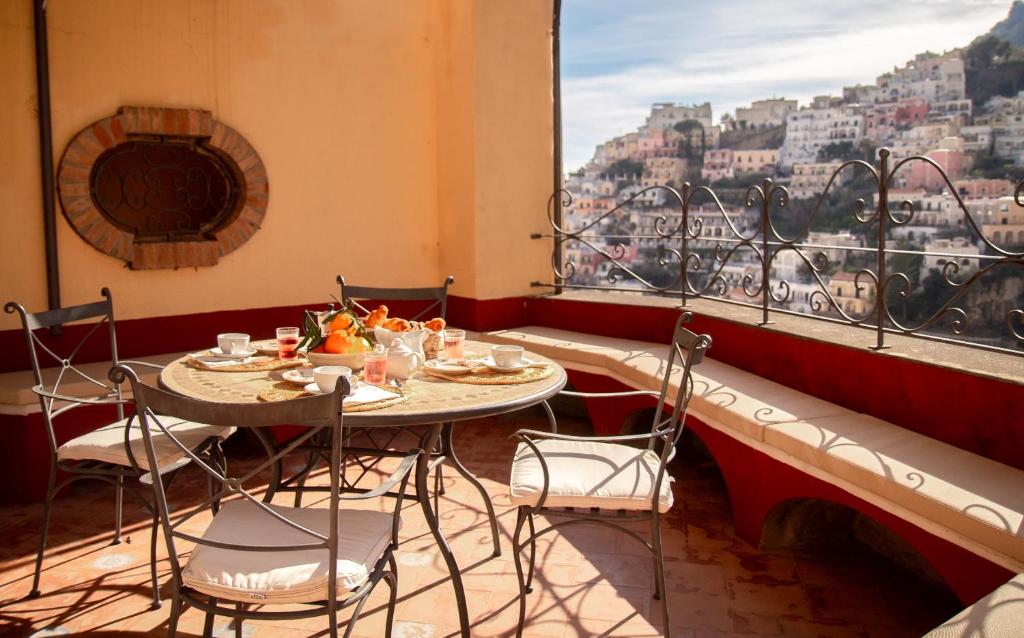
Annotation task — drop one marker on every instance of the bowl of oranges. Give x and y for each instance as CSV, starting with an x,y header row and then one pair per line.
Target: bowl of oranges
x,y
339,341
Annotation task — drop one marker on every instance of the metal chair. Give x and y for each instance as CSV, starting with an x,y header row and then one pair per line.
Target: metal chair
x,y
379,440
257,554
437,296
604,480
112,453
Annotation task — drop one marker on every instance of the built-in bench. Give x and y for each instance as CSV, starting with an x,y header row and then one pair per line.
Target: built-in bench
x,y
25,454
965,499
998,615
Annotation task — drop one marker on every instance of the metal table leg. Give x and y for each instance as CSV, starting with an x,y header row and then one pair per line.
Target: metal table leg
x,y
448,450
428,441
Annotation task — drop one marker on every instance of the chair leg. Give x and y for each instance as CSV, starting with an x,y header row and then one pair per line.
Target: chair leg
x,y
392,580
518,559
152,561
310,462
118,508
172,622
355,615
238,621
47,506
208,621
659,574
533,552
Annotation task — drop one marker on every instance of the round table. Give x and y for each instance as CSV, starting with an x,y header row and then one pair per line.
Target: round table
x,y
433,402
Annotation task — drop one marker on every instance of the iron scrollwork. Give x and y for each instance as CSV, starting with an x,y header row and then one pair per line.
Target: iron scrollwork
x,y
687,243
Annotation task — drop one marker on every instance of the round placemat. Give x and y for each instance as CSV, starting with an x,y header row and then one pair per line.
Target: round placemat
x,y
490,377
285,390
262,365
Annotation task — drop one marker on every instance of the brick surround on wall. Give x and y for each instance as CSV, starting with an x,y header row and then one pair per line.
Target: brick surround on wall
x,y
195,126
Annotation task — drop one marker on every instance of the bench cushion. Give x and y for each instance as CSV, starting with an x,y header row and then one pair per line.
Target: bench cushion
x,y
587,474
294,576
998,615
735,398
968,494
107,443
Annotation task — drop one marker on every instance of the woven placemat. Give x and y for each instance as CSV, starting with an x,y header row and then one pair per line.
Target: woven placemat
x,y
259,365
285,390
490,377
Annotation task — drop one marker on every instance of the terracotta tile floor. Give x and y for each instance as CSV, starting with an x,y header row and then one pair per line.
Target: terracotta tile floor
x,y
590,581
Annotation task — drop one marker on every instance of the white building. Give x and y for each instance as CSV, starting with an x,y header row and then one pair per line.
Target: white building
x,y
956,249
765,113
938,78
825,122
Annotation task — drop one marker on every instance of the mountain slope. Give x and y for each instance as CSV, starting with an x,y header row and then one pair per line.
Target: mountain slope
x,y
1011,29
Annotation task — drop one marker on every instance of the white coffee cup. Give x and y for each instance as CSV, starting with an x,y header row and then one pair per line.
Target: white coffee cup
x,y
507,356
233,342
326,377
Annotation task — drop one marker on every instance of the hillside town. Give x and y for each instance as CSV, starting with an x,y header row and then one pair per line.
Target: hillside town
x,y
919,109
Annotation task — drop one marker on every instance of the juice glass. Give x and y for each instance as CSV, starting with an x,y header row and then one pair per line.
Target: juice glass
x,y
375,366
453,340
287,340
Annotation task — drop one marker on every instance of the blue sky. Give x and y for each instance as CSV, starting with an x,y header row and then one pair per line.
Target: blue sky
x,y
620,56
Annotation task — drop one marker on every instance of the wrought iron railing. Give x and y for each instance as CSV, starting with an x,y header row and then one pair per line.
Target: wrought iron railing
x,y
685,243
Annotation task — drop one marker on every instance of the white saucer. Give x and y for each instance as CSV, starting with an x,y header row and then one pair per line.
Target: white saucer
x,y
523,364
313,388
298,375
220,354
444,367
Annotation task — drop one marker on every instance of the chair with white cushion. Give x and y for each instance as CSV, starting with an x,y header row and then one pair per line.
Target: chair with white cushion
x,y
113,453
254,555
605,480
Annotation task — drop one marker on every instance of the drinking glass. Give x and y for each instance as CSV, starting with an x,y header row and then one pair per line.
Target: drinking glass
x,y
375,366
287,340
453,340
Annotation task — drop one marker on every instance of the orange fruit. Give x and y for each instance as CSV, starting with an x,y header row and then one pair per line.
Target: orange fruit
x,y
342,322
336,343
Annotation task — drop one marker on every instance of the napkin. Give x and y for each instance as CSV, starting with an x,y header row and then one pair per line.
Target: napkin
x,y
211,361
366,393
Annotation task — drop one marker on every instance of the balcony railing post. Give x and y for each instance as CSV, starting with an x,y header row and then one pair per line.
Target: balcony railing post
x,y
766,195
882,213
684,221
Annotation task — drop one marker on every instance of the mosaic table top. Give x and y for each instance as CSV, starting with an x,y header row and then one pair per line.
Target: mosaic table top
x,y
431,399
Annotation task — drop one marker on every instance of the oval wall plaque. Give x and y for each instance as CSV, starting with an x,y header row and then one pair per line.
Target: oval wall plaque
x,y
162,188
163,191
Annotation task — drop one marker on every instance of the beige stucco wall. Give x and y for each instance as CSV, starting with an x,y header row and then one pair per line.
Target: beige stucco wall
x,y
401,144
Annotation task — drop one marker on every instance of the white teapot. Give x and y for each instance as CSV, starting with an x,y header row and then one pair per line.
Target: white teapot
x,y
403,360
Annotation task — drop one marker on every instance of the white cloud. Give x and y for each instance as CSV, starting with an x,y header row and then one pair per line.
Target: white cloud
x,y
616,66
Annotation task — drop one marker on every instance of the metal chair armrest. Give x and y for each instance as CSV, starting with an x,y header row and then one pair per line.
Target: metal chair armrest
x,y
400,475
610,395
104,399
146,364
525,434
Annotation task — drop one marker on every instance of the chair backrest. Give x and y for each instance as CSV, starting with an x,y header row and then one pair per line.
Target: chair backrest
x,y
687,350
41,355
438,297
154,406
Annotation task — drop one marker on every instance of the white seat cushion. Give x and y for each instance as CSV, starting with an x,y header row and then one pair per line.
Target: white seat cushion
x,y
293,576
588,474
107,443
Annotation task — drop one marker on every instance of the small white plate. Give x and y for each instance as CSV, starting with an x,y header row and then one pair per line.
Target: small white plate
x,y
523,364
444,367
298,375
220,354
313,388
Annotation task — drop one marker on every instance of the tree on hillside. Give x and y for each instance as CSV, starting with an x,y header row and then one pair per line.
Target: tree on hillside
x,y
625,167
688,128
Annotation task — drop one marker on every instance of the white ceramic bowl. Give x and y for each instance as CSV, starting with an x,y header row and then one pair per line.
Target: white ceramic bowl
x,y
354,361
